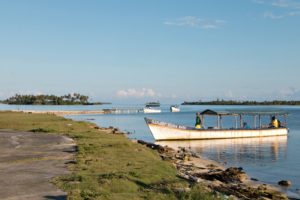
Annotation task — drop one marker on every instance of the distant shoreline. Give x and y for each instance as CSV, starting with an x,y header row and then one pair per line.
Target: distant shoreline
x,y
243,103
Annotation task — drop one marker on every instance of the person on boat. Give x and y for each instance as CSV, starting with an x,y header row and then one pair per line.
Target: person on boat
x,y
198,124
246,126
274,122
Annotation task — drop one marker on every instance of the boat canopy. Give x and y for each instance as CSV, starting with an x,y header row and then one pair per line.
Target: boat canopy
x,y
259,112
215,113
242,112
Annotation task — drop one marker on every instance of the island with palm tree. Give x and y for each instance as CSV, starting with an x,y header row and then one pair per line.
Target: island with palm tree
x,y
69,99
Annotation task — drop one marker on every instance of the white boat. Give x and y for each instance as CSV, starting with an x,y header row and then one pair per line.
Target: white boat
x,y
174,109
151,110
168,131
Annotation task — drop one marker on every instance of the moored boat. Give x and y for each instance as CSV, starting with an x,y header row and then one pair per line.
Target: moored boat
x,y
151,110
175,108
168,131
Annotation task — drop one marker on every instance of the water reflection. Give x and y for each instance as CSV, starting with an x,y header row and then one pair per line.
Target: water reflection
x,y
240,151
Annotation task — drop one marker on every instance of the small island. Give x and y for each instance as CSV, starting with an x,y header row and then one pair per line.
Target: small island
x,y
250,103
69,99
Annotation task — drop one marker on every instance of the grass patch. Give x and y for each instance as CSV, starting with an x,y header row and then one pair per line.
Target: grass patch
x,y
107,166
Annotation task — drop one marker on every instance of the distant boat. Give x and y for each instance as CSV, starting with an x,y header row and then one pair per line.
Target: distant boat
x,y
153,104
168,131
175,108
151,110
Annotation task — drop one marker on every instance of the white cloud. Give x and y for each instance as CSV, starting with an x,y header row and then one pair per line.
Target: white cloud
x,y
136,93
270,15
259,1
281,3
287,8
229,94
286,4
292,4
173,96
195,22
294,13
2,95
287,91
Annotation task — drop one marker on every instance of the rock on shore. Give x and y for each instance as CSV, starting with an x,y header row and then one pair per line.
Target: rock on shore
x,y
285,183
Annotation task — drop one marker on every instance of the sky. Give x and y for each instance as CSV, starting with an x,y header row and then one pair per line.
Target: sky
x,y
144,50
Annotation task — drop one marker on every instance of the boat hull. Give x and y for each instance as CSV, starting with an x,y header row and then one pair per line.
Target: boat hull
x,y
166,131
175,109
151,110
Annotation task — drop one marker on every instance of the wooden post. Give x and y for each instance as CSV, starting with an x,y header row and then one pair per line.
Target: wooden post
x,y
241,121
270,124
218,122
254,121
259,118
236,122
221,124
285,121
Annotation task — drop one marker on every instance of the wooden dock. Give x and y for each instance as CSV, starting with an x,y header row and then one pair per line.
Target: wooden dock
x,y
62,112
123,110
84,112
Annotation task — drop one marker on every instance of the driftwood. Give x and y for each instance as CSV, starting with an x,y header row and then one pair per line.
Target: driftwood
x,y
230,175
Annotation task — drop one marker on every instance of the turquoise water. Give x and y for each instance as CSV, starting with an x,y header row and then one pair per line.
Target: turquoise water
x,y
267,159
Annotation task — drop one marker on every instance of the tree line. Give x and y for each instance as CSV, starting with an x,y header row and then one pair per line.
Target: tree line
x,y
232,102
69,99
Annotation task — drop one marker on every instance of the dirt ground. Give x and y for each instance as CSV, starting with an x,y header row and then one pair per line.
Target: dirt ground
x,y
28,161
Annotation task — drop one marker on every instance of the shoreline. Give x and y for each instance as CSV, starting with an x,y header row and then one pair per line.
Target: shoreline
x,y
231,181
62,113
213,176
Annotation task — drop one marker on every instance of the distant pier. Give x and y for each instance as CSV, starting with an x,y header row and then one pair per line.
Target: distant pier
x,y
123,110
84,112
62,112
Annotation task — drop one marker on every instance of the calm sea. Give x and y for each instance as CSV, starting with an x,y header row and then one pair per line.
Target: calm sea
x,y
269,159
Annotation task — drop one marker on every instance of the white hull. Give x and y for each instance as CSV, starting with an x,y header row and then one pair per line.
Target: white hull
x,y
166,131
175,109
222,144
151,110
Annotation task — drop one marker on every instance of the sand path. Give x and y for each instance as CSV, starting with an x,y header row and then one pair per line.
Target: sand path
x,y
28,161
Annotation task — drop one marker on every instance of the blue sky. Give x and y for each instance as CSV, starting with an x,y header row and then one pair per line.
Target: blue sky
x,y
136,51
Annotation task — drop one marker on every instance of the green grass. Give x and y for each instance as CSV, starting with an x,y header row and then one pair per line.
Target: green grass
x,y
106,166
